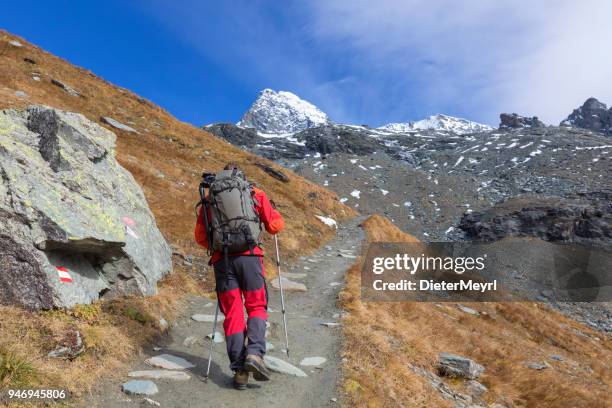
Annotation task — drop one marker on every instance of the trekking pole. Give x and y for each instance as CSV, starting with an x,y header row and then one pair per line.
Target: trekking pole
x,y
212,342
280,285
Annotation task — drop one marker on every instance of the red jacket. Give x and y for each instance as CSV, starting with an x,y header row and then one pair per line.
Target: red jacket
x,y
271,219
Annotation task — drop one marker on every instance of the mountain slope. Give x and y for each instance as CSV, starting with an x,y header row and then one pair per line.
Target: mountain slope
x,y
166,157
281,113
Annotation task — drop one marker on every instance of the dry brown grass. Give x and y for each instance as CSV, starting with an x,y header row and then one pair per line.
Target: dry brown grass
x,y
114,333
166,158
381,339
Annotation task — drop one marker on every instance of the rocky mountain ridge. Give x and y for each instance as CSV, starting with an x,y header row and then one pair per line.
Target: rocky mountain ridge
x,y
593,115
438,122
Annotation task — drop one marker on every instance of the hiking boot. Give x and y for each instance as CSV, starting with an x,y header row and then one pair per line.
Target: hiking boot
x,y
241,379
255,364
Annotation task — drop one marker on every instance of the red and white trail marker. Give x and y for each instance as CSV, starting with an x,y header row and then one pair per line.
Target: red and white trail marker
x,y
64,274
128,221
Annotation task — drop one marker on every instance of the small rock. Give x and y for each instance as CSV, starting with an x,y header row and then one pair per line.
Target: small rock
x,y
156,348
467,310
475,388
313,361
556,357
190,341
289,285
36,77
280,366
118,125
330,324
343,255
537,366
451,365
163,324
334,399
70,346
21,94
293,275
140,387
15,43
333,284
67,88
219,338
206,318
169,362
149,401
160,375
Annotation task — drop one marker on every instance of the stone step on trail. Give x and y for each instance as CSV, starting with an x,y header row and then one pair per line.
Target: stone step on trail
x,y
169,362
160,375
313,361
289,285
207,318
282,367
140,387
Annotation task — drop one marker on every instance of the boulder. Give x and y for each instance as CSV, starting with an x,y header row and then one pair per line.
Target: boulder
x,y
277,174
451,365
514,121
74,225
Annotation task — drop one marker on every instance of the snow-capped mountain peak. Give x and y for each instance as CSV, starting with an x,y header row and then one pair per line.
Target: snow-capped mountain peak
x,y
282,113
438,122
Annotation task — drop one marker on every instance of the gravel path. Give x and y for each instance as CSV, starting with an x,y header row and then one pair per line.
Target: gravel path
x,y
323,275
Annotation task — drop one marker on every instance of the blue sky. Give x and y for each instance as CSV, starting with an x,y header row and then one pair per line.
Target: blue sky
x,y
359,61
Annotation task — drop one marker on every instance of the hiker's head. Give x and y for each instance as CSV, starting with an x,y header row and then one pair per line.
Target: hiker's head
x,y
231,166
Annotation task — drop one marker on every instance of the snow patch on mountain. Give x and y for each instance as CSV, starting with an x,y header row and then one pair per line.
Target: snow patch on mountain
x,y
282,113
438,122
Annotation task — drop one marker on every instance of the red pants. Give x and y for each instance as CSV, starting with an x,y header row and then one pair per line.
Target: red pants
x,y
243,278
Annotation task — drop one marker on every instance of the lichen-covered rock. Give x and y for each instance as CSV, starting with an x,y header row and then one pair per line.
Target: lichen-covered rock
x,y
74,224
451,365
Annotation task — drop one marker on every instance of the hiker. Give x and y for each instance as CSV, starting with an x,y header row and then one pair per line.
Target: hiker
x,y
235,212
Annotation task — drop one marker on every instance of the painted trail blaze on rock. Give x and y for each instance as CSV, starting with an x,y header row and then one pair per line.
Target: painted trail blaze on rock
x,y
69,213
64,274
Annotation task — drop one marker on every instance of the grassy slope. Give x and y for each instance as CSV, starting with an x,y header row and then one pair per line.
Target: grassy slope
x,y
509,334
167,158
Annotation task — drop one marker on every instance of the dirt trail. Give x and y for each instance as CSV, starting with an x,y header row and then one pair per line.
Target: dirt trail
x,y
307,338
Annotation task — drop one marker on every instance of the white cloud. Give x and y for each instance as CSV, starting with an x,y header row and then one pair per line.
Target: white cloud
x,y
396,60
538,58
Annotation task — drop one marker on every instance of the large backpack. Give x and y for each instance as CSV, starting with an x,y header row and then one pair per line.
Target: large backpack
x,y
235,225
